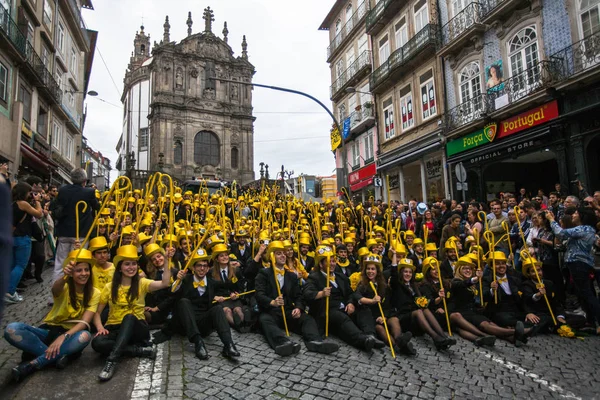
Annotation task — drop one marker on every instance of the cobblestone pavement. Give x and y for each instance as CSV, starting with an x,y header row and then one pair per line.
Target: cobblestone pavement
x,y
548,367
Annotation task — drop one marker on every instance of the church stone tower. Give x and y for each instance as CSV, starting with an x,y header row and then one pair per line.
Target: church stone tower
x,y
200,120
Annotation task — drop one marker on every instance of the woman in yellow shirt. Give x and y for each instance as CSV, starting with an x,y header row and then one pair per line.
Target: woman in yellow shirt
x,y
65,330
126,328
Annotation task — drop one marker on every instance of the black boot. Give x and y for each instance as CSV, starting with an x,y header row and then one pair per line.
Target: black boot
x,y
200,349
230,351
322,347
285,348
368,343
377,344
138,351
160,337
440,343
108,371
22,371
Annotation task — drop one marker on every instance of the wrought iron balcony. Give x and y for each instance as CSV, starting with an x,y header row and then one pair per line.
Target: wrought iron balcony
x,y
381,14
361,64
42,78
491,10
426,37
542,75
579,57
455,32
76,11
463,114
11,31
346,30
362,118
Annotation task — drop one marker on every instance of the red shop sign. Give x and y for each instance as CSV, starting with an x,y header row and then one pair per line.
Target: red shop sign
x,y
364,173
361,185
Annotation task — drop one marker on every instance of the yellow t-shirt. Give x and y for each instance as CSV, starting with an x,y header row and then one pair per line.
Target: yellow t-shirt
x,y
121,308
63,310
102,276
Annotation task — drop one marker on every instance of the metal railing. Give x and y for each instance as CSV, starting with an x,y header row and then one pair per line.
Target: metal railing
x,y
79,19
401,56
11,30
461,22
362,114
467,112
578,57
348,27
541,75
363,60
377,12
487,6
45,76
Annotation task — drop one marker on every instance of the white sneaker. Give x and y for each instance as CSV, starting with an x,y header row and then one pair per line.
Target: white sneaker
x,y
12,298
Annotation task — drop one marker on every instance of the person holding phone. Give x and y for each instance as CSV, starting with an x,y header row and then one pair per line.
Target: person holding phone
x,y
26,204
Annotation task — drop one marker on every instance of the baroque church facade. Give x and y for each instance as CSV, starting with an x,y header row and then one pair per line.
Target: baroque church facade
x,y
185,113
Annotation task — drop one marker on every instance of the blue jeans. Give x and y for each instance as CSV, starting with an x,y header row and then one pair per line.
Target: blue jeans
x,y
31,340
580,273
21,253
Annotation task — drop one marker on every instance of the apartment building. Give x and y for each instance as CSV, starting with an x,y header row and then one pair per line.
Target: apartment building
x,y
46,54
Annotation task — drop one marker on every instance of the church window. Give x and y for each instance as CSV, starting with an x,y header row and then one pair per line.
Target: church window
x,y
207,149
178,153
234,158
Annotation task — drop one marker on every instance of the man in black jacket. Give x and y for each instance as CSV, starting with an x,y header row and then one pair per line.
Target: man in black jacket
x,y
316,292
271,303
307,261
241,249
64,214
195,313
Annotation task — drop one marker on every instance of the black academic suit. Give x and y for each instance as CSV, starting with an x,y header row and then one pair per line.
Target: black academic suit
x,y
340,323
539,307
245,258
271,319
308,263
348,269
509,309
196,315
417,261
446,269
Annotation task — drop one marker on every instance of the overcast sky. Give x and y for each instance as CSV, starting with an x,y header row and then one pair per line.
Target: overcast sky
x,y
284,45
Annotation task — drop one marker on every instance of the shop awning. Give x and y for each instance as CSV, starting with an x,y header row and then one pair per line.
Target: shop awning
x,y
361,185
37,160
412,155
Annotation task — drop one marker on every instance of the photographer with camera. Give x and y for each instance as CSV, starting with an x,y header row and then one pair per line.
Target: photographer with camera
x,y
579,256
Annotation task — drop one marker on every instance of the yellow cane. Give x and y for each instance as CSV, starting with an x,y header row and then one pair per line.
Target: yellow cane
x,y
489,237
287,333
425,236
479,264
327,299
510,249
436,265
239,295
77,217
387,332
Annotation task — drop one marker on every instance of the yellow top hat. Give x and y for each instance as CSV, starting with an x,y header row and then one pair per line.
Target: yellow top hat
x,y
241,233
199,255
371,243
127,252
287,244
127,230
143,238
131,200
401,249
152,249
98,243
528,264
466,260
449,245
349,240
372,259
218,249
495,255
409,233
406,262
212,241
101,222
417,242
428,263
105,212
469,240
431,246
275,245
232,257
304,241
323,252
169,239
79,255
177,197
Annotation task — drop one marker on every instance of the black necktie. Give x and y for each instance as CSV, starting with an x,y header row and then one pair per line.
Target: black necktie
x,y
224,275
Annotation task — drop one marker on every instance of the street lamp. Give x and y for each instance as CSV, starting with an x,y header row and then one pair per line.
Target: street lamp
x,y
281,89
352,89
92,93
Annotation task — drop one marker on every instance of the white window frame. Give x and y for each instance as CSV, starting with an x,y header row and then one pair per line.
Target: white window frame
x,y
389,129
60,38
56,135
587,10
469,88
48,14
4,82
363,44
365,94
355,154
407,101
369,145
384,49
74,62
524,59
69,148
419,19
401,33
430,86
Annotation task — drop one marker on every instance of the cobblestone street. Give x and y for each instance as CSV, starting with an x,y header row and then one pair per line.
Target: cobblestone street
x,y
548,367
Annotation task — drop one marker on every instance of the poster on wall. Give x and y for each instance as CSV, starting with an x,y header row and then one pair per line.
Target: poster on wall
x,y
494,75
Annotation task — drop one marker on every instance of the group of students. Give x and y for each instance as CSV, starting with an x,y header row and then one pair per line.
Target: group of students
x,y
369,288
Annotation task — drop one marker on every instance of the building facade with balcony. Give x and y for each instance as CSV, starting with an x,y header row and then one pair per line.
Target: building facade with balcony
x,y
407,81
350,59
45,62
517,73
96,165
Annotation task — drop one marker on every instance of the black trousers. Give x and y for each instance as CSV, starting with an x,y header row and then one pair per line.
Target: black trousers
x,y
194,323
364,319
341,325
509,318
273,327
37,258
131,331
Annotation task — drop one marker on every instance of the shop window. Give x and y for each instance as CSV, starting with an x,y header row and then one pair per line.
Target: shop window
x,y
25,98
388,118
143,139
406,107
207,150
178,153
524,61
428,103
3,83
234,158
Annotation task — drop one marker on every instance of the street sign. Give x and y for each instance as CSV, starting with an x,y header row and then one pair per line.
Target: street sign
x,y
462,186
377,182
461,172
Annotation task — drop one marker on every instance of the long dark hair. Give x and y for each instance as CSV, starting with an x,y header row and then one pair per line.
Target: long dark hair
x,y
379,279
20,191
88,291
116,282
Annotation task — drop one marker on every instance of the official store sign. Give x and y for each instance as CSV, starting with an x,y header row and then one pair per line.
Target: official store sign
x,y
513,149
491,132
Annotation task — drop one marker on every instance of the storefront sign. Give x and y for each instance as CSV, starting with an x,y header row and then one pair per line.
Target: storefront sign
x,y
518,123
336,139
503,151
361,185
434,168
364,173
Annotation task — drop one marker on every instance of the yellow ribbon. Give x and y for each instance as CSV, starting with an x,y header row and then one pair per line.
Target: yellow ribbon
x,y
201,284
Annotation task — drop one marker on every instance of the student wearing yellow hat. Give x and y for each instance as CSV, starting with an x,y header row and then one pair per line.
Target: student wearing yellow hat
x,y
418,254
66,328
292,264
451,257
306,260
158,303
241,248
102,270
126,328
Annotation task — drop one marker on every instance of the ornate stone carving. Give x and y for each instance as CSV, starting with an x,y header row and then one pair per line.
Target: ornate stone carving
x,y
209,94
194,72
179,78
